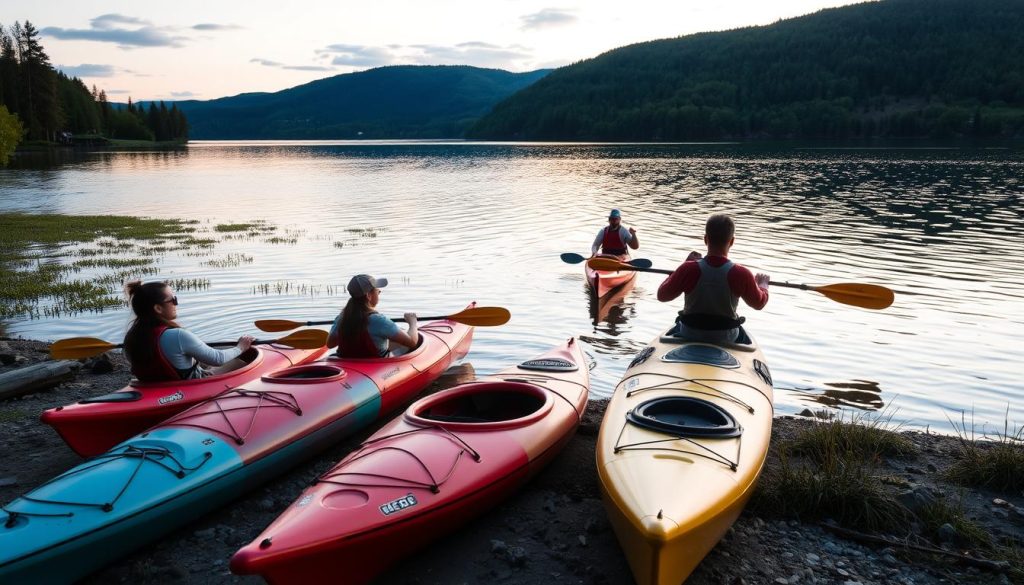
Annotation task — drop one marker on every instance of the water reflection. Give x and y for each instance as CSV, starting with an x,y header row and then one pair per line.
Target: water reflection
x,y
464,221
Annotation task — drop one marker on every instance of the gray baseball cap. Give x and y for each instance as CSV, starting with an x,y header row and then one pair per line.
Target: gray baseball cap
x,y
362,284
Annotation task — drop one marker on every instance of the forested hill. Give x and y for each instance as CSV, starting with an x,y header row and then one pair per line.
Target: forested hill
x,y
895,68
388,102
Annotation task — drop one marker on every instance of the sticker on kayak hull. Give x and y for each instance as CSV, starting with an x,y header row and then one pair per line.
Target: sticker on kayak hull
x,y
398,505
179,395
549,365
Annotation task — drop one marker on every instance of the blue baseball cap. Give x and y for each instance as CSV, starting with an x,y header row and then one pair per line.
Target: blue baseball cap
x,y
615,213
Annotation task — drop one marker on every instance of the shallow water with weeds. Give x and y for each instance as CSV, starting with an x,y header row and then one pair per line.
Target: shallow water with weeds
x,y
452,222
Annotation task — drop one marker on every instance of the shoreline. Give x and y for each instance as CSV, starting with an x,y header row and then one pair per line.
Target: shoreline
x,y
554,530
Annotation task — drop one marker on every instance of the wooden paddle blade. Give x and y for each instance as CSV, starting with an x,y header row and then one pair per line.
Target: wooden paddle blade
x,y
275,325
482,316
608,264
570,258
77,348
305,339
641,263
867,296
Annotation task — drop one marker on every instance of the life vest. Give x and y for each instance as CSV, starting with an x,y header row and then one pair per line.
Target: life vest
x,y
612,242
362,347
158,369
712,295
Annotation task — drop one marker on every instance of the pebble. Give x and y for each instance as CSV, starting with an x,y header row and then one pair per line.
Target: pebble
x,y
947,533
8,481
813,558
583,539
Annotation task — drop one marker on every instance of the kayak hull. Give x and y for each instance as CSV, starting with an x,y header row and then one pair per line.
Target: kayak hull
x,y
93,426
205,456
603,282
425,474
671,499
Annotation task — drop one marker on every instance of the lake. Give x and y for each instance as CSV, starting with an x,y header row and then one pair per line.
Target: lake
x,y
452,222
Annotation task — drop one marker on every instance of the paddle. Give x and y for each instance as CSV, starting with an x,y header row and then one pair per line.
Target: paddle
x,y
570,258
867,296
83,347
474,317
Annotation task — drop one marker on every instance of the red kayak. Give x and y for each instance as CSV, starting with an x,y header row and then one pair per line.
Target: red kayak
x,y
94,425
603,282
451,456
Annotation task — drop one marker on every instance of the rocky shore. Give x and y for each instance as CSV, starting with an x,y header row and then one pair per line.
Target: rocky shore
x,y
555,530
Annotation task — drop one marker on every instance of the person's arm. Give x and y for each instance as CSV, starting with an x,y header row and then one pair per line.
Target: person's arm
x,y
682,280
334,337
632,241
597,242
410,338
193,347
753,290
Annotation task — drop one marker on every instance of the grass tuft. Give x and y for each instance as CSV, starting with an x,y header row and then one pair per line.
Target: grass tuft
x,y
996,464
862,437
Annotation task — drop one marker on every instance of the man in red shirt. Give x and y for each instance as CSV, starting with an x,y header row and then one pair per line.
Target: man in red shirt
x,y
713,286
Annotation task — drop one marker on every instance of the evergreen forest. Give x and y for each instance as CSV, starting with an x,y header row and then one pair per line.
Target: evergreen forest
x,y
934,69
52,107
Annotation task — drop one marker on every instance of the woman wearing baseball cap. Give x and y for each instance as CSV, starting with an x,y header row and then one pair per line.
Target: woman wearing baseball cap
x,y
361,332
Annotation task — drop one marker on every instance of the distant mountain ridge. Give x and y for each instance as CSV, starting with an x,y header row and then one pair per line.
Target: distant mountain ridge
x,y
388,102
893,68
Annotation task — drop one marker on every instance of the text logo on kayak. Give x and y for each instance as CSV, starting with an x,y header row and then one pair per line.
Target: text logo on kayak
x,y
390,373
171,398
398,505
549,364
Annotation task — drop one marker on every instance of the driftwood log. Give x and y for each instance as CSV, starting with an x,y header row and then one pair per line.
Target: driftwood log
x,y
36,377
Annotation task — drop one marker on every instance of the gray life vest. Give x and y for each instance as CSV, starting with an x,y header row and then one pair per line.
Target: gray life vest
x,y
712,295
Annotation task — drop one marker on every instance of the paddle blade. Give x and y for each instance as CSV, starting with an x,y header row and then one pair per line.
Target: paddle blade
x,y
482,316
867,296
570,258
77,348
305,339
275,325
608,264
641,263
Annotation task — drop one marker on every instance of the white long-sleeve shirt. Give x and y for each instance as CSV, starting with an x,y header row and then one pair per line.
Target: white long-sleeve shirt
x,y
182,349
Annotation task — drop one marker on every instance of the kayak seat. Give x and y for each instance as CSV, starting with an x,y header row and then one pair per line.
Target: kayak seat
x,y
130,396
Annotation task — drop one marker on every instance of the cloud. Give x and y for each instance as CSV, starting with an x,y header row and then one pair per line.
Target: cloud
x,y
358,55
106,21
476,53
128,32
279,65
208,26
117,91
548,18
88,70
184,94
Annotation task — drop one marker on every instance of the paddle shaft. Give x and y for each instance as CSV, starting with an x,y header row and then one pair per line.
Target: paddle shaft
x,y
395,319
773,283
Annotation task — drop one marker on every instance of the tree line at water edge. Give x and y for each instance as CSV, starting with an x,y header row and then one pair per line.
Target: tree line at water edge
x,y
40,103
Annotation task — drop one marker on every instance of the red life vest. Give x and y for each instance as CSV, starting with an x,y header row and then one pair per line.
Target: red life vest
x,y
612,242
362,347
158,369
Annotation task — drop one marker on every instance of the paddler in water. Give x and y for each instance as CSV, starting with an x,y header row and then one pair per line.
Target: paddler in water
x,y
713,286
613,238
159,350
361,332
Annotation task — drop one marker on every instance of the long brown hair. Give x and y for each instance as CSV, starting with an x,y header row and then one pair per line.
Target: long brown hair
x,y
138,342
354,317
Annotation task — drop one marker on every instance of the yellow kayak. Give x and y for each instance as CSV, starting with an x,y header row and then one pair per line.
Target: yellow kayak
x,y
681,446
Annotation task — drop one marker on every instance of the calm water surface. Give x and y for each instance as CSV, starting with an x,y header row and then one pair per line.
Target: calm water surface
x,y
455,222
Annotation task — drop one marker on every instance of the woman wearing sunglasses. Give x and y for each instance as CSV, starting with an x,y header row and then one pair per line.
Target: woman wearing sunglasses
x,y
158,349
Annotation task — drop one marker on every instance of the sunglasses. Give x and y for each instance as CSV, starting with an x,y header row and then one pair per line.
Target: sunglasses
x,y
173,300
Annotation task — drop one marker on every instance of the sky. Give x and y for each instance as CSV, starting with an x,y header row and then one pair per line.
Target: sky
x,y
204,50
